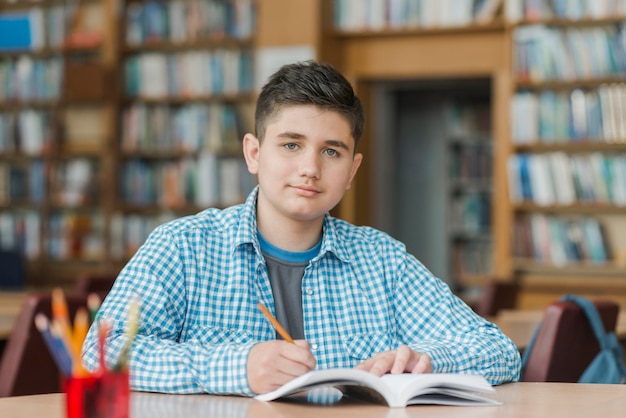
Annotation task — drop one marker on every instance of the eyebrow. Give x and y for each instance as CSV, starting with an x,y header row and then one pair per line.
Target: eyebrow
x,y
332,142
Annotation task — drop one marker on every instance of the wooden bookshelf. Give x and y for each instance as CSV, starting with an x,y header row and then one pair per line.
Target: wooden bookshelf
x,y
89,110
368,57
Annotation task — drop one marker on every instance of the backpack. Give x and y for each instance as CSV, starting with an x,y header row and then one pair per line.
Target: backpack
x,y
607,366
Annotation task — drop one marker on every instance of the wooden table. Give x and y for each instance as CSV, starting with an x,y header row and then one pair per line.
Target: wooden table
x,y
523,400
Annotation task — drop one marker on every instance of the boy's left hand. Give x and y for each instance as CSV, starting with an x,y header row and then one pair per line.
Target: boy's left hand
x,y
402,360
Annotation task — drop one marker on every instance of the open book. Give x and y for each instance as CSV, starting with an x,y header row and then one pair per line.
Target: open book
x,y
397,390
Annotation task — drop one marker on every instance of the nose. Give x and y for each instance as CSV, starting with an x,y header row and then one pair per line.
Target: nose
x,y
310,165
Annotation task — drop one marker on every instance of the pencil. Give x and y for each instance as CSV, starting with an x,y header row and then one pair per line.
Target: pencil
x,y
54,344
103,330
93,303
81,325
61,315
57,333
132,324
279,328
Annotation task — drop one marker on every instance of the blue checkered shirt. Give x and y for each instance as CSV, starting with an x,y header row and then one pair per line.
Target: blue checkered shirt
x,y
200,278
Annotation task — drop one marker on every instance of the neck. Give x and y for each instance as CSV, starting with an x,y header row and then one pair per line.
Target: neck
x,y
289,234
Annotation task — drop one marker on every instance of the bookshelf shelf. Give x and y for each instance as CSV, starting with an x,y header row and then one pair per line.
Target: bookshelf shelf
x,y
564,22
196,44
178,101
611,269
571,146
496,26
580,208
568,84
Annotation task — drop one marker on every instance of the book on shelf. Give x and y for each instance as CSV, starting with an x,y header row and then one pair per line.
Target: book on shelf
x,y
393,390
22,30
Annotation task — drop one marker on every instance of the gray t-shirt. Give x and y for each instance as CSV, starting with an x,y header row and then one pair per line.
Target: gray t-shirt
x,y
285,270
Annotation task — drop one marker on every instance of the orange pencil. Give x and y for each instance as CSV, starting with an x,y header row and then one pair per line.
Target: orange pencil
x,y
59,306
81,326
61,316
279,328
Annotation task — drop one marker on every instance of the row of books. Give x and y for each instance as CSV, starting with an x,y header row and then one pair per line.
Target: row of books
x,y
27,78
191,74
355,15
557,178
558,241
533,10
73,235
189,127
472,258
207,180
21,230
471,212
543,53
471,161
33,28
75,182
22,183
28,131
72,182
593,114
188,20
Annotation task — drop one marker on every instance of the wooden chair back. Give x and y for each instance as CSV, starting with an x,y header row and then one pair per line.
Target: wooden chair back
x,y
497,295
566,344
26,367
90,283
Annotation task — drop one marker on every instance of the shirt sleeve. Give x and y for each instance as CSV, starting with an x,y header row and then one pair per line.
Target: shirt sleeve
x,y
158,361
432,320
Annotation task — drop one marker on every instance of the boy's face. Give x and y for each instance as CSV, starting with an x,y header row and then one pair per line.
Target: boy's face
x,y
304,164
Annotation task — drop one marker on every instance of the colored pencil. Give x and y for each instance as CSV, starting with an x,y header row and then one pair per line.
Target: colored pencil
x,y
93,304
55,345
132,325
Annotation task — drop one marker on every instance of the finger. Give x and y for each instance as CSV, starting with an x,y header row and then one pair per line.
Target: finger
x,y
382,363
299,352
403,354
423,364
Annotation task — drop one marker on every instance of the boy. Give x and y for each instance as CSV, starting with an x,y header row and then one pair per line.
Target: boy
x,y
350,296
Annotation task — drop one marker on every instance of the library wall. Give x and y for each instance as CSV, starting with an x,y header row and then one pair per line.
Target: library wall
x,y
109,138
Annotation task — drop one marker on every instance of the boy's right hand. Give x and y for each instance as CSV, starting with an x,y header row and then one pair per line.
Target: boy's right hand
x,y
271,364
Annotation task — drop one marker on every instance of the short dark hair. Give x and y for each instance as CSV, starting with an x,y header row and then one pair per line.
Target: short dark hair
x,y
309,83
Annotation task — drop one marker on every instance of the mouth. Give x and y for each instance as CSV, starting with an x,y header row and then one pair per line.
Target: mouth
x,y
306,190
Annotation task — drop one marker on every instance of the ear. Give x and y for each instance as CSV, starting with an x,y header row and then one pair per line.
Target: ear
x,y
251,151
356,163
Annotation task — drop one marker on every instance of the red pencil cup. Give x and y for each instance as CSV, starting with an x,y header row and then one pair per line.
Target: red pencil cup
x,y
98,396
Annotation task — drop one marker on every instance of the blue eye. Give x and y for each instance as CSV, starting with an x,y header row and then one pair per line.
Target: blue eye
x,y
331,152
291,146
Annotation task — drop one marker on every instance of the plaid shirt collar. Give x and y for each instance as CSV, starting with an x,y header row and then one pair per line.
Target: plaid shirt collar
x,y
247,232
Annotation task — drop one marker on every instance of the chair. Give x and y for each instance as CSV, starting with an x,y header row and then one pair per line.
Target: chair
x,y
565,344
13,275
90,283
26,367
497,295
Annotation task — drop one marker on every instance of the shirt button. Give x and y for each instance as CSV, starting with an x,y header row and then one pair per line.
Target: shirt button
x,y
314,346
309,292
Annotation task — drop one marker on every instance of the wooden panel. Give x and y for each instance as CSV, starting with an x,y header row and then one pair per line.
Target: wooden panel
x,y
538,291
288,22
438,55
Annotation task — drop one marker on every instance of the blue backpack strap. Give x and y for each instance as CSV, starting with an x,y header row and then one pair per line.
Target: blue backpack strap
x,y
607,340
